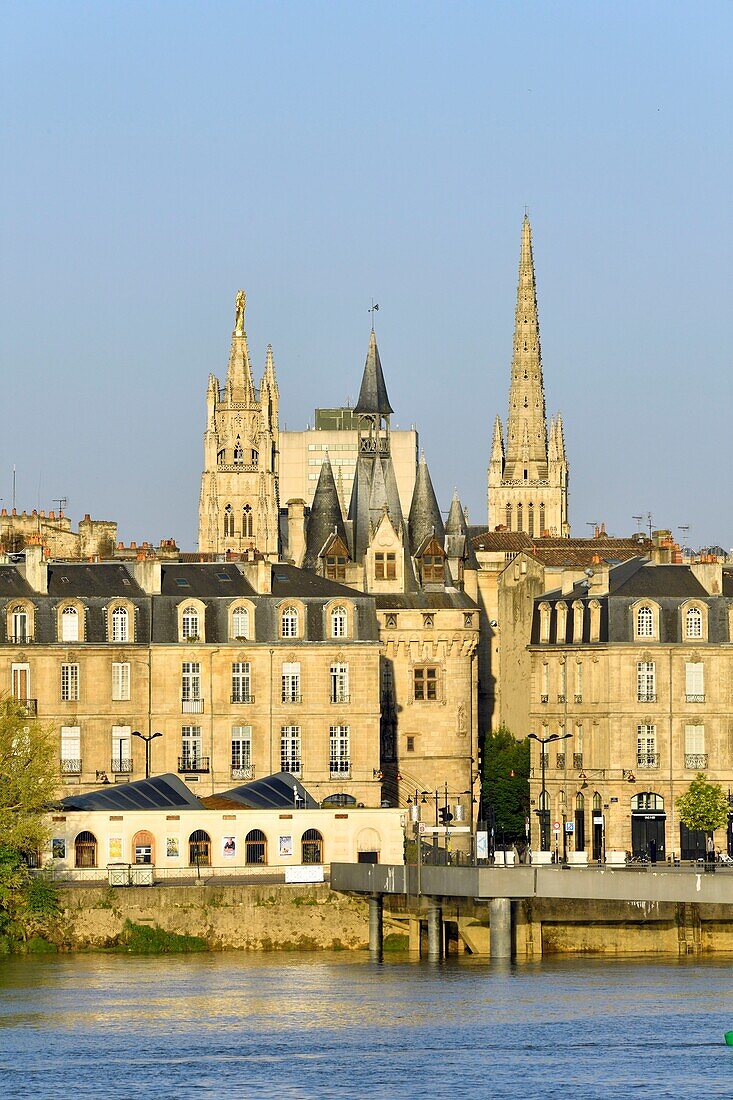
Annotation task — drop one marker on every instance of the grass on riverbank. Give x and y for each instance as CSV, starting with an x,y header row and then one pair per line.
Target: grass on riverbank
x,y
143,939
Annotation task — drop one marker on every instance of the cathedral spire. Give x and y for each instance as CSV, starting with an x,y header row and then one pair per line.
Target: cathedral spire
x,y
373,399
326,517
425,518
526,394
239,385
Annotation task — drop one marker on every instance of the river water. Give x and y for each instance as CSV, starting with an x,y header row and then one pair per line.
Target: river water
x,y
334,1025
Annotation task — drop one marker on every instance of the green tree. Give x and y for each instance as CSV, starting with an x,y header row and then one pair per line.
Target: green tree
x,y
28,778
703,806
506,783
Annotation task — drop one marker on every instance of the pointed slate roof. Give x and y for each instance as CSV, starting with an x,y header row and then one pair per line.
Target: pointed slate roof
x,y
425,518
325,517
373,393
457,543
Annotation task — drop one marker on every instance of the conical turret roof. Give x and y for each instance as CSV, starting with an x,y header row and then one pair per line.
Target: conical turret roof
x,y
457,542
425,518
325,519
373,397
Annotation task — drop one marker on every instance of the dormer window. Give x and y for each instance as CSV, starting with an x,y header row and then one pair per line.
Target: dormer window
x,y
289,623
336,568
190,624
385,567
120,625
69,625
693,623
240,623
645,622
339,622
433,569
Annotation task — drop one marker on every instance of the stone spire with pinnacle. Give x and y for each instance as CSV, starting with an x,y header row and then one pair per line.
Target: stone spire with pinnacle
x,y
239,385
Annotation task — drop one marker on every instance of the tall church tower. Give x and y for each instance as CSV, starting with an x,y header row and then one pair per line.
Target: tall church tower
x,y
239,503
528,478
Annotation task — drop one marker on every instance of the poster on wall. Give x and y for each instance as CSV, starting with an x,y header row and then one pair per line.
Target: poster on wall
x,y
58,848
229,847
115,848
482,845
171,847
286,847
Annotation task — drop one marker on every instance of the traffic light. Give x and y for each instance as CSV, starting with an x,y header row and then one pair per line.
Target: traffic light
x,y
445,815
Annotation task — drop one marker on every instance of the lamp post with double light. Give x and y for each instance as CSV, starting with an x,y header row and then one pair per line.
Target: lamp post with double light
x,y
544,813
147,738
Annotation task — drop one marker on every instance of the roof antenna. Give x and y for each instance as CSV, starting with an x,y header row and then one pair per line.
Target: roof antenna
x,y
373,309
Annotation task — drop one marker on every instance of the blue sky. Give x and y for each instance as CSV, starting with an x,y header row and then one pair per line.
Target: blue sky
x,y
157,156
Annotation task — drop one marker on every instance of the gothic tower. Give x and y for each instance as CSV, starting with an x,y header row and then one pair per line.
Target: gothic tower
x,y
239,503
528,477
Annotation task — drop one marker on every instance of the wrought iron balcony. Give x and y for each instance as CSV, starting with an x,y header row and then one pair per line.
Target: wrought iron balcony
x,y
70,767
561,697
545,759
192,706
193,763
292,697
292,767
646,697
340,769
578,760
560,761
698,760
694,698
121,766
578,698
20,639
647,760
29,707
244,771
339,697
544,698
242,697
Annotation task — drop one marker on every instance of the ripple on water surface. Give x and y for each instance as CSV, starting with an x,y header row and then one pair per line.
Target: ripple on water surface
x,y
239,1025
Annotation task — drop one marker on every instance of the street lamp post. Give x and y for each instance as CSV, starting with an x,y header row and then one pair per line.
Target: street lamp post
x,y
147,738
545,821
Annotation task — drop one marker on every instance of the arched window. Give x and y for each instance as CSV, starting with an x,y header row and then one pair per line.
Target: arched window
x,y
228,522
338,622
530,520
255,847
647,801
312,847
693,623
199,849
289,623
542,520
190,623
240,622
508,519
645,622
238,453
69,625
247,522
120,625
143,847
579,822
20,624
520,517
85,850
597,803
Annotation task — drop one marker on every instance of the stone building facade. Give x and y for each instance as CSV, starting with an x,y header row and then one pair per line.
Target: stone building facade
x,y
245,668
634,663
239,502
528,473
94,538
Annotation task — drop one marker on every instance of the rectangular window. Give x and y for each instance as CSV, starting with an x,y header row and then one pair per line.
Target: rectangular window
x,y
242,752
694,682
579,682
563,688
646,746
190,681
336,568
432,568
241,682
646,682
191,744
339,683
694,739
121,750
340,754
20,678
291,682
120,680
545,684
385,567
426,683
290,750
410,742
70,750
70,683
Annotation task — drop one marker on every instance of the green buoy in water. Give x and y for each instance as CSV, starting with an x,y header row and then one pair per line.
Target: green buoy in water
x,y
729,1038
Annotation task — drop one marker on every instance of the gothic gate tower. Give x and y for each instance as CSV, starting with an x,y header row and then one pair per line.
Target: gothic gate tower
x,y
528,479
239,503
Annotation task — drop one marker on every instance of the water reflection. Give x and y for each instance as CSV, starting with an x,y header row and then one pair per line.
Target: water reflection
x,y
321,1025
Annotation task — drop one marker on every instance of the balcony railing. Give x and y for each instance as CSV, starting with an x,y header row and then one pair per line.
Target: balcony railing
x,y
192,706
242,697
20,639
646,697
578,760
647,760
694,698
339,697
29,707
193,763
292,697
544,698
545,759
70,767
292,767
578,698
696,760
340,769
560,761
244,771
561,698
121,766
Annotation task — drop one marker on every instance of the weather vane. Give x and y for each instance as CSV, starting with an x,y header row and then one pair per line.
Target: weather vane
x,y
374,308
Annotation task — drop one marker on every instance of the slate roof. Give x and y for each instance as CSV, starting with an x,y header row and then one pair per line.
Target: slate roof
x,y
373,393
426,600
425,518
12,583
325,519
92,579
660,581
208,579
160,792
272,792
289,581
457,541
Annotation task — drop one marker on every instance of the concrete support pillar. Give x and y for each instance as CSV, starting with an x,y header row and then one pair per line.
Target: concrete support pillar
x,y
500,917
376,917
414,933
435,930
